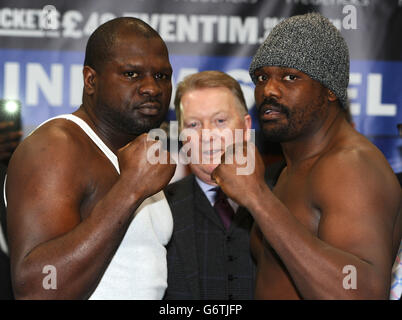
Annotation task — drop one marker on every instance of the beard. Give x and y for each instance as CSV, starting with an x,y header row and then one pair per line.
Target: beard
x,y
297,120
272,131
129,120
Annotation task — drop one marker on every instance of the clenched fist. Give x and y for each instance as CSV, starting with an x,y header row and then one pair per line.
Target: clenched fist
x,y
135,164
240,173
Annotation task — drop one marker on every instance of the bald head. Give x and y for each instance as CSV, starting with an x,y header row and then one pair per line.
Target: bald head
x,y
101,42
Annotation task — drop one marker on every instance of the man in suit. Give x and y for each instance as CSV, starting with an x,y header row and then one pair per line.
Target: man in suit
x,y
207,260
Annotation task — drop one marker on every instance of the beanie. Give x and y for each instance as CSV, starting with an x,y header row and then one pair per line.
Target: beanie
x,y
309,43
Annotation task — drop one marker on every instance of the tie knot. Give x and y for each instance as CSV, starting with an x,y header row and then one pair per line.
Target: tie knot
x,y
219,194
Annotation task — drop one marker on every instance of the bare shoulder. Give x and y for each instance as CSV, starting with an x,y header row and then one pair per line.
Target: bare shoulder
x,y
358,198
54,153
59,141
58,133
356,162
45,185
355,174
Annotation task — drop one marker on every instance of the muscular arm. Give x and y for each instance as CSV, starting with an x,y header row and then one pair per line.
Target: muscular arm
x,y
358,206
358,203
47,186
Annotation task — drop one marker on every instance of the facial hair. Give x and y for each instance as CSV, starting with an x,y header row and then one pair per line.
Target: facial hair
x,y
297,120
134,123
271,132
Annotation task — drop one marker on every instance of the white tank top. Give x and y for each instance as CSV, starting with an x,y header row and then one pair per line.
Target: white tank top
x,y
138,269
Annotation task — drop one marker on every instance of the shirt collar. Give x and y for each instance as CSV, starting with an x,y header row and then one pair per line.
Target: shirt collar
x,y
209,191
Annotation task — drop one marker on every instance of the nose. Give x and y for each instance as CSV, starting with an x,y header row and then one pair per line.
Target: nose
x,y
149,86
205,136
209,134
272,88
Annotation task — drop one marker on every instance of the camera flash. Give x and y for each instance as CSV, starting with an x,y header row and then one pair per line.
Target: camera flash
x,y
11,106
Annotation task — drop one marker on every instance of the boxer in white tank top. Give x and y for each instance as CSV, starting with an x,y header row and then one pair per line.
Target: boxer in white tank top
x,y
138,269
88,204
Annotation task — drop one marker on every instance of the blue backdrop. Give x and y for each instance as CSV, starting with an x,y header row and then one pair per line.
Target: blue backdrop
x,y
42,51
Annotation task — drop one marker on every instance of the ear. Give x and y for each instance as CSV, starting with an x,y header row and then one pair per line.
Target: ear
x,y
248,125
247,121
89,80
331,96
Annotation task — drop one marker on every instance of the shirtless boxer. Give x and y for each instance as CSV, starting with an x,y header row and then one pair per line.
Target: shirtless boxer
x,y
335,212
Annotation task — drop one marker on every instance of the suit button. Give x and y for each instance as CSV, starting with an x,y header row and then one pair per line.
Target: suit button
x,y
230,277
230,258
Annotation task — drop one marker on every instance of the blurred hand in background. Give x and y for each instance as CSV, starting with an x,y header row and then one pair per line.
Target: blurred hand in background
x,y
9,141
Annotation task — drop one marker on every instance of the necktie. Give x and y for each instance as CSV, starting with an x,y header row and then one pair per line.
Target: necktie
x,y
223,208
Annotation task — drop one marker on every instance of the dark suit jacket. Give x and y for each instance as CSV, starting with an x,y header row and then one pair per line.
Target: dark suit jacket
x,y
186,200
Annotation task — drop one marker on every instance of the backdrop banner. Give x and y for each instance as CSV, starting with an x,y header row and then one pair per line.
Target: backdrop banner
x,y
42,46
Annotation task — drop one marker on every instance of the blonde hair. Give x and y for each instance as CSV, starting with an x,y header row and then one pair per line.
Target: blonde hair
x,y
208,79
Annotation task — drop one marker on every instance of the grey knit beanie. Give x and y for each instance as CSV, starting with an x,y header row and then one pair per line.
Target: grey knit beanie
x,y
309,43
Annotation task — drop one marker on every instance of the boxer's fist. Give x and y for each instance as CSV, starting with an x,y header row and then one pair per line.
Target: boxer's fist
x,y
245,172
137,163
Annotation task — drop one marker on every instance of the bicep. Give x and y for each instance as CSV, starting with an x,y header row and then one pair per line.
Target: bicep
x,y
42,200
357,214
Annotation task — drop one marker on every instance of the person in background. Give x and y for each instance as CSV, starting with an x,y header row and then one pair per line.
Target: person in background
x,y
396,282
399,174
85,212
9,141
209,254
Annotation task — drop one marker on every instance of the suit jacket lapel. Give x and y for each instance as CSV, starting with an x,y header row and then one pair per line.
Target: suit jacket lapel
x,y
240,215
